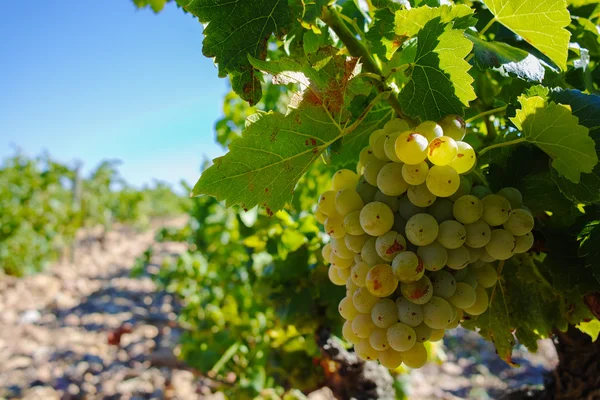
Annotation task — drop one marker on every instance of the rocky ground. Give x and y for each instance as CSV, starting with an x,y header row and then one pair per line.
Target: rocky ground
x,y
87,329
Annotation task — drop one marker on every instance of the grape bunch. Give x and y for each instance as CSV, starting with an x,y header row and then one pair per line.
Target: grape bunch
x,y
413,241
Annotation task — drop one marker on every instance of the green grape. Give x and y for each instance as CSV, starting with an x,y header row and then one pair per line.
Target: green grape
x,y
501,245
389,245
415,174
485,256
344,179
401,337
411,147
376,218
442,180
496,209
390,358
464,187
327,203
334,277
481,302
384,313
365,351
381,281
523,243
359,273
409,313
339,248
350,285
320,216
478,234
467,209
415,357
379,148
437,335
340,262
344,273
363,300
434,256
460,274
421,229
378,339
420,196
465,158
457,318
444,284
349,334
513,195
423,332
452,234
453,126
352,223
356,242
407,267
390,181
369,252
372,170
470,278
326,252
348,200
437,313
480,191
430,130
366,156
458,258
347,309
366,190
362,325
407,209
464,297
393,202
334,227
474,253
374,136
389,146
486,275
418,292
441,210
520,222
399,223
442,151
395,125
358,257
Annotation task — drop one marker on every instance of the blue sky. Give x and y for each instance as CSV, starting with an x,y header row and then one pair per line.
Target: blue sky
x,y
96,80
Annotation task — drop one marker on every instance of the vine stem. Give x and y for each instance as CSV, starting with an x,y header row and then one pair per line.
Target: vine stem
x,y
485,113
498,145
489,24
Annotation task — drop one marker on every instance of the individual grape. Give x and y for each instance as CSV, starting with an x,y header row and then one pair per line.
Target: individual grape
x,y
442,151
408,209
437,313
359,273
513,195
420,196
395,125
369,252
481,302
344,274
327,203
363,300
389,146
520,222
362,325
470,278
434,256
352,223
452,234
339,248
444,284
480,191
474,253
453,126
349,334
372,170
344,179
458,258
415,357
334,227
496,209
407,267
320,216
464,187
478,234
457,318
384,313
390,358
430,130
467,209
379,148
411,147
485,256
374,136
442,180
334,277
423,332
347,201
523,243
350,285
409,313
347,309
465,158
399,223
421,229
378,339
326,252
366,156
356,242
486,275
366,190
418,292
365,351
441,210
390,181
376,218
389,245
381,281
464,297
401,337
415,174
393,202
501,245
340,262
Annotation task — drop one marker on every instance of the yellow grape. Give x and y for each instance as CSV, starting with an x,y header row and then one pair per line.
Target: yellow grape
x,y
390,358
334,277
442,181
415,174
362,325
381,281
465,158
429,129
442,150
390,181
349,334
363,300
411,147
376,218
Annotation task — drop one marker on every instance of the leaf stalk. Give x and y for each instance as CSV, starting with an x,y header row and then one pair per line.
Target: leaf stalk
x,y
503,144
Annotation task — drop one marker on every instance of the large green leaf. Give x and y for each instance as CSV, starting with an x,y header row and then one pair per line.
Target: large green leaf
x,y
410,22
554,129
540,23
590,247
235,29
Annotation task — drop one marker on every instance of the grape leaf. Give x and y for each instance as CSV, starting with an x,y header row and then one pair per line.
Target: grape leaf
x,y
590,247
235,29
556,131
508,60
541,23
410,22
381,37
592,328
155,5
439,80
